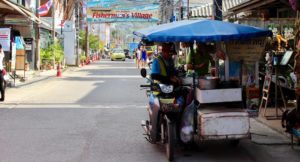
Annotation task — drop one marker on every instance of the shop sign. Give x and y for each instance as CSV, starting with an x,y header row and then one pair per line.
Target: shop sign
x,y
28,44
68,26
16,20
247,50
5,38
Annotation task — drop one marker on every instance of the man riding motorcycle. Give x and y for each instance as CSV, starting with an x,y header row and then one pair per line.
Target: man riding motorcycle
x,y
163,71
163,68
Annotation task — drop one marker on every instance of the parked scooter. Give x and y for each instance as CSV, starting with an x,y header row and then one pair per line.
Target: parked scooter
x,y
165,109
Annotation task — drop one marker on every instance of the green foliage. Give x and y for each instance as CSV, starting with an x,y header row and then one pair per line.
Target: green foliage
x,y
54,51
114,34
46,55
82,39
58,51
93,42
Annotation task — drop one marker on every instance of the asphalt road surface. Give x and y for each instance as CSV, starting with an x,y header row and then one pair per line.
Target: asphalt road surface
x,y
93,114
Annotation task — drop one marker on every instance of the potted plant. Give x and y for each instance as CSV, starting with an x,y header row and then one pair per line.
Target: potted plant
x,y
82,59
49,66
46,55
44,64
58,52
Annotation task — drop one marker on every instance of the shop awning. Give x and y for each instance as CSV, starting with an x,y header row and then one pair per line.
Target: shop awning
x,y
252,4
207,9
11,8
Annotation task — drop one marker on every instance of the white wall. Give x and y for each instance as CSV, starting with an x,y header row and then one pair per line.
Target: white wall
x,y
70,43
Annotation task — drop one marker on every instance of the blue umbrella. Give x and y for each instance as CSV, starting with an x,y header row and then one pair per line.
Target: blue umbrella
x,y
203,30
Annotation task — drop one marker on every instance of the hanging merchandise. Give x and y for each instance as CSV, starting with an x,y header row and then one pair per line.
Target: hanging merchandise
x,y
19,43
295,4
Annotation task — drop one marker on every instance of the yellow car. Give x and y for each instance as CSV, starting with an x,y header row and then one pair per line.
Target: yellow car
x,y
117,54
149,51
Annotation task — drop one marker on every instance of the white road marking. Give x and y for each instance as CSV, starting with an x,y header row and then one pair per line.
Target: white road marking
x,y
119,67
114,76
115,62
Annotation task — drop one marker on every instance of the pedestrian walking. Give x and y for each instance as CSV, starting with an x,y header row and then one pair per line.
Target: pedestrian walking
x,y
138,57
144,57
2,71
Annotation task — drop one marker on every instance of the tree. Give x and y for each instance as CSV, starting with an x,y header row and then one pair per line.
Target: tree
x,y
114,34
94,42
82,39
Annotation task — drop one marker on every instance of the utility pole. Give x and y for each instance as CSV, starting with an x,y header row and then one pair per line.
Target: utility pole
x,y
37,38
180,10
166,11
170,10
87,40
53,30
217,10
161,11
77,26
188,9
53,20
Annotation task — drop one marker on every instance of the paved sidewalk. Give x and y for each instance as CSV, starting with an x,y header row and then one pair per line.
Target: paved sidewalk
x,y
263,134
274,122
32,76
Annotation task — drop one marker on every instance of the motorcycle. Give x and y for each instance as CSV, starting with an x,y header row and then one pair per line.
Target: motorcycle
x,y
165,111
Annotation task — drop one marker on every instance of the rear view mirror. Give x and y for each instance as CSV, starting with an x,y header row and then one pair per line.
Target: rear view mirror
x,y
143,72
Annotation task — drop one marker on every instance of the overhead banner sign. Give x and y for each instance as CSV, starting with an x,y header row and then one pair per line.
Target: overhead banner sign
x,y
120,16
118,11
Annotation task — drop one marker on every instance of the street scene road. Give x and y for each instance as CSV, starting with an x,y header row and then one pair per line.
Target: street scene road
x,y
224,84
93,114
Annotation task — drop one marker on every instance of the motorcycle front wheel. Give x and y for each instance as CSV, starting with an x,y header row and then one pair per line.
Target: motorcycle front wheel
x,y
170,140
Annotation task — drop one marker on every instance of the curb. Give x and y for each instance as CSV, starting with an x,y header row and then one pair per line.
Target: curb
x,y
35,80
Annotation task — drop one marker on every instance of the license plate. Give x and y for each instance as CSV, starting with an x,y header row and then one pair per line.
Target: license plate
x,y
169,108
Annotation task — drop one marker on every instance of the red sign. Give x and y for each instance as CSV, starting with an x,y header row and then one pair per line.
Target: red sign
x,y
97,14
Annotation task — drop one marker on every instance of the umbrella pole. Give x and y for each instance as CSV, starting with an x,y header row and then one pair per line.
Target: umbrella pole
x,y
196,104
193,64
